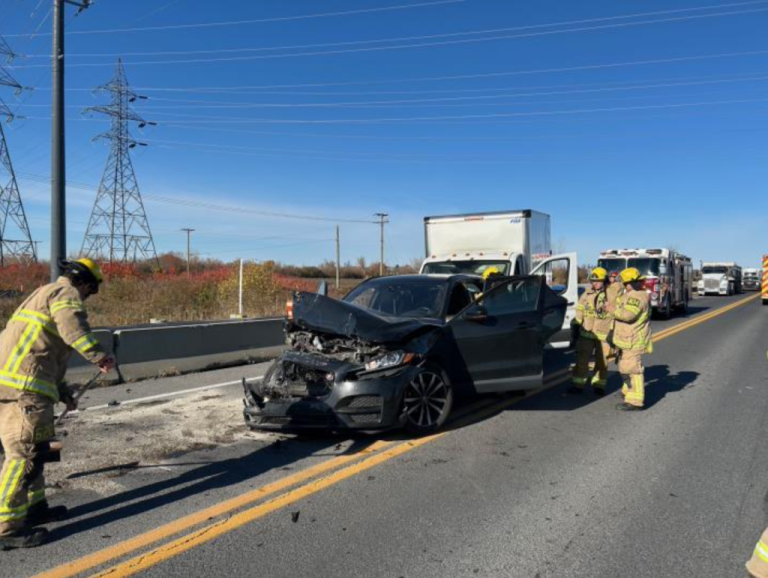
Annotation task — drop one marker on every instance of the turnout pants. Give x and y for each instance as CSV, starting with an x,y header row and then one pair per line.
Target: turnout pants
x,y
631,369
585,349
25,424
758,564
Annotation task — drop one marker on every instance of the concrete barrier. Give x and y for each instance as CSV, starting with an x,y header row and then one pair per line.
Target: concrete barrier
x,y
170,350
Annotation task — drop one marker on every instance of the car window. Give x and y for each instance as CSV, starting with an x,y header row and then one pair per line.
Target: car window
x,y
516,296
460,298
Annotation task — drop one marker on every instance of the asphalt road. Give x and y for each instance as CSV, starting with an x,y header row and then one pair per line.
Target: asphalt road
x,y
544,485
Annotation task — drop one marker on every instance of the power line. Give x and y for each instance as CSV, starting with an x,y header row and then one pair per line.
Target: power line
x,y
484,75
207,205
406,38
265,20
409,46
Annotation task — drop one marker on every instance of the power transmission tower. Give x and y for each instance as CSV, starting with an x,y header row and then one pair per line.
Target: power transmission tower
x,y
15,239
118,229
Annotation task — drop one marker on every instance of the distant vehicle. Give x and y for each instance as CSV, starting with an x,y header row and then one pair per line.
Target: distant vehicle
x,y
720,278
669,275
395,349
512,242
751,279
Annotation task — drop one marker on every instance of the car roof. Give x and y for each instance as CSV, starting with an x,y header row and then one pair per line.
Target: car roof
x,y
416,277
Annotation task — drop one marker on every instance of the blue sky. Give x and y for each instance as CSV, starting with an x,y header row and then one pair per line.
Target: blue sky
x,y
640,123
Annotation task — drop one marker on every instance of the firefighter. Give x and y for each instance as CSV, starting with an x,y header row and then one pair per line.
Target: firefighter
x,y
591,327
758,564
34,349
632,336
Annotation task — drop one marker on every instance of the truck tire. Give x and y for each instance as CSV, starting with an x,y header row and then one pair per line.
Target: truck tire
x,y
667,311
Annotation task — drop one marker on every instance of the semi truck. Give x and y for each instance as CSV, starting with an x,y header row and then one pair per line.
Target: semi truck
x,y
751,279
668,273
720,278
516,242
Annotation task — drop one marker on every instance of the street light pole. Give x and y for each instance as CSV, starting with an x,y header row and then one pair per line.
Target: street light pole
x,y
189,232
382,221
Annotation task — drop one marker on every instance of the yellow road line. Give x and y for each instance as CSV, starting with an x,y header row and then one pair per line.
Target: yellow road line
x,y
166,531
173,548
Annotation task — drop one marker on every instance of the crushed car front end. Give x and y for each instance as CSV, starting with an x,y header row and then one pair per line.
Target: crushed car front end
x,y
303,392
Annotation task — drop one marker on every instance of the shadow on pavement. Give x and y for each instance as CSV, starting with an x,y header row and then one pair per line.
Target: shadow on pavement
x,y
660,382
211,476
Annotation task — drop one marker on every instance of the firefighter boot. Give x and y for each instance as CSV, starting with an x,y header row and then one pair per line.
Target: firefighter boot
x,y
42,513
25,537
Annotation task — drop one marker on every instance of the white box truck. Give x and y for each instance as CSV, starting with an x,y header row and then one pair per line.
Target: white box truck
x,y
514,242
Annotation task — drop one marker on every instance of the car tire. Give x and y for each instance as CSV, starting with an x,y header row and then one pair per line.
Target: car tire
x,y
427,401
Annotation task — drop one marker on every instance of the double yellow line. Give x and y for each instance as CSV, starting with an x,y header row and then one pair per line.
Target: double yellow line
x,y
295,487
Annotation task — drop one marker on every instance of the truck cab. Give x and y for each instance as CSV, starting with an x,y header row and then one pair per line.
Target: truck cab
x,y
720,278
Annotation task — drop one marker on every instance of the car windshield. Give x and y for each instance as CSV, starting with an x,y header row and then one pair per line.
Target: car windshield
x,y
612,265
645,265
465,267
711,270
401,297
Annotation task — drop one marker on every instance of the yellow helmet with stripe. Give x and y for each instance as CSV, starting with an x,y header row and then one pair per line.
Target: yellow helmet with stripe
x,y
93,267
492,270
598,274
630,275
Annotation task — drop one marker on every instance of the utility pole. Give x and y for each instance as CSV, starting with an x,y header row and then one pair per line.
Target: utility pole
x,y
338,259
189,232
58,169
383,220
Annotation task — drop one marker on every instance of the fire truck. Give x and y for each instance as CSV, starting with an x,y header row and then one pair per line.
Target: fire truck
x,y
669,275
764,290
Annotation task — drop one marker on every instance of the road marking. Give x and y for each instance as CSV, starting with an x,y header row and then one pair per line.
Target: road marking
x,y
207,533
172,528
170,394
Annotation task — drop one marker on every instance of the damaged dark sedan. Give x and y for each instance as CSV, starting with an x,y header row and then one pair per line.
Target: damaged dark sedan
x,y
396,350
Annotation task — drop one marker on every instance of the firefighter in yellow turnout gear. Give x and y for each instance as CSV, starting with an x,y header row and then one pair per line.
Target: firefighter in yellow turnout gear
x,y
593,323
34,350
632,336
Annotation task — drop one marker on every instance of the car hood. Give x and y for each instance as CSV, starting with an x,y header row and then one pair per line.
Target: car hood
x,y
323,314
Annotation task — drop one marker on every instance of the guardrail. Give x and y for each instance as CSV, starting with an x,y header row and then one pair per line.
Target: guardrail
x,y
164,350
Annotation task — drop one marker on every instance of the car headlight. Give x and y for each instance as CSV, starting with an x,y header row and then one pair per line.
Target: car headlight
x,y
389,359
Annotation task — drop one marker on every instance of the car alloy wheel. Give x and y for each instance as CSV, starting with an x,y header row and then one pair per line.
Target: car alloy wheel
x,y
427,402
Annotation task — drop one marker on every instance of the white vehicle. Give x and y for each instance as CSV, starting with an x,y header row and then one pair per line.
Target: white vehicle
x,y
513,242
751,280
669,275
720,278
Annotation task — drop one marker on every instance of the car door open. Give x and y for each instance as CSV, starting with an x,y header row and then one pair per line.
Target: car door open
x,y
562,276
501,336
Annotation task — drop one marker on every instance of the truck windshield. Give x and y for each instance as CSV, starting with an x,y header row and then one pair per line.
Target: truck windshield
x,y
750,275
464,267
646,266
612,265
714,270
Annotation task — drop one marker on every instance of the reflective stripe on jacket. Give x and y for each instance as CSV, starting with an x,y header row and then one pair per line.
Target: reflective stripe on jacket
x,y
39,339
632,329
592,315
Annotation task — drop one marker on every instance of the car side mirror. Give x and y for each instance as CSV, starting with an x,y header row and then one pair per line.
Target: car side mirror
x,y
477,314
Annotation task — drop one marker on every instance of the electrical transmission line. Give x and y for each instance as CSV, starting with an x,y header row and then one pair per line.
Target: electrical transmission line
x,y
15,239
118,228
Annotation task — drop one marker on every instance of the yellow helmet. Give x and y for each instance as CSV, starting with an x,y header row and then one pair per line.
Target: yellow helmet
x,y
598,274
630,275
492,270
93,267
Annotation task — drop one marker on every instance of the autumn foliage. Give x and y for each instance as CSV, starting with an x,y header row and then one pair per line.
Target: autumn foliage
x,y
137,293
